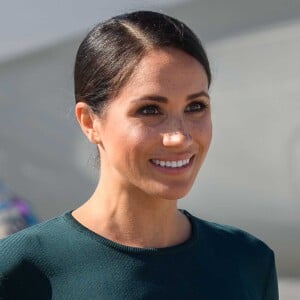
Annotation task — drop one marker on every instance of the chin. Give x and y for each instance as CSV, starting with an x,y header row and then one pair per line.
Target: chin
x,y
171,194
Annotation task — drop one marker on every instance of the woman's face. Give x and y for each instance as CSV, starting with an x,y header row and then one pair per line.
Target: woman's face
x,y
156,132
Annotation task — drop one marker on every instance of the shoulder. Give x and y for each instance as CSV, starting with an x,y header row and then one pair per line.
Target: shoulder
x,y
232,244
24,260
29,244
239,255
230,237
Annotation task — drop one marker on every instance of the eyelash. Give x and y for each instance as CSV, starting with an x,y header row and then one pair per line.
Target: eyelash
x,y
156,110
142,110
201,106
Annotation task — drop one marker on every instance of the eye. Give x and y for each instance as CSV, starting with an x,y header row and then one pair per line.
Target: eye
x,y
196,107
149,110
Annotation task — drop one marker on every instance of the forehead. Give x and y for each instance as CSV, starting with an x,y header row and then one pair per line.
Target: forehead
x,y
167,69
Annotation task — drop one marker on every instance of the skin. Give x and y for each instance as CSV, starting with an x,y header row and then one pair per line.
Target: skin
x,y
162,113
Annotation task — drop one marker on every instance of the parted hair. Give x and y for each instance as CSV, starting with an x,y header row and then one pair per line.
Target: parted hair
x,y
111,51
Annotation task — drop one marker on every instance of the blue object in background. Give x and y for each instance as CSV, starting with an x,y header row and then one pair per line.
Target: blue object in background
x,y
15,213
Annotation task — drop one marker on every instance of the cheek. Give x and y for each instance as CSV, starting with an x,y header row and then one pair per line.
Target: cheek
x,y
202,131
137,138
208,130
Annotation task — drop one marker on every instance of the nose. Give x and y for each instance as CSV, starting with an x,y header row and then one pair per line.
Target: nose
x,y
177,138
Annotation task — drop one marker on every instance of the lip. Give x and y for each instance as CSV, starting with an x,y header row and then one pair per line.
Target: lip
x,y
176,170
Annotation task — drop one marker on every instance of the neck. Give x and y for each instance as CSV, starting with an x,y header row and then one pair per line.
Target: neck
x,y
138,221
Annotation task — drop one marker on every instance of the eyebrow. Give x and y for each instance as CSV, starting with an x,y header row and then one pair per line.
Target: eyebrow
x,y
162,99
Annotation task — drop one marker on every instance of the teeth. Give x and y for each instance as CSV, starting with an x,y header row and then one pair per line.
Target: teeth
x,y
171,164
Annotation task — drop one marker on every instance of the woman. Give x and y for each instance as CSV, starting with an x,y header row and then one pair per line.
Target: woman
x,y
141,88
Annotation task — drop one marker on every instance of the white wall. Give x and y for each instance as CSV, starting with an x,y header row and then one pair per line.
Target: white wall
x,y
251,176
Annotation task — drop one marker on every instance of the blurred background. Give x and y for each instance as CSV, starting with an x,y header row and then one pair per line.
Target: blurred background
x,y
251,178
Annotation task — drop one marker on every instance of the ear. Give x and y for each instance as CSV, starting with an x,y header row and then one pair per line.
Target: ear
x,y
88,121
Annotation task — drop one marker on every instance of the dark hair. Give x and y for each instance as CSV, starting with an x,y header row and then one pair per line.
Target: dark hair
x,y
109,53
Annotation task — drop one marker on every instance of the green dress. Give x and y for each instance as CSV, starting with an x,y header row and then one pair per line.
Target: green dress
x,y
61,259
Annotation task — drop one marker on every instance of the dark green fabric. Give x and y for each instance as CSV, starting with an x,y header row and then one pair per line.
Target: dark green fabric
x,y
61,259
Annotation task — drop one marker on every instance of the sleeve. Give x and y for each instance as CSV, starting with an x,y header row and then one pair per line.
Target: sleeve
x,y
271,289
1,289
14,271
3,294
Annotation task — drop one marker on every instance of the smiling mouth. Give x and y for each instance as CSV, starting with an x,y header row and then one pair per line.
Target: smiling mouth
x,y
171,163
